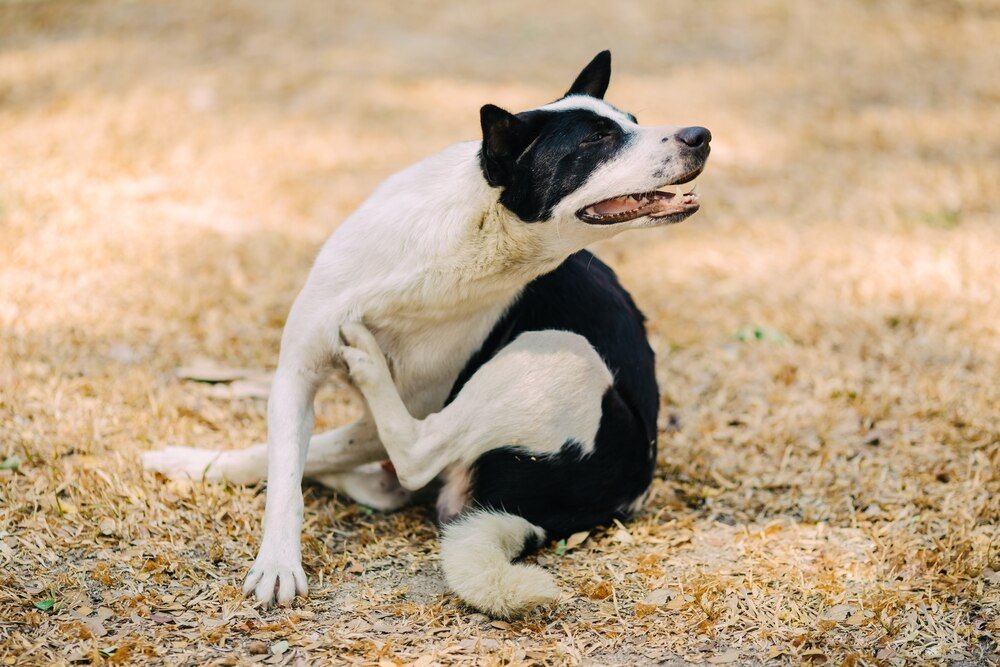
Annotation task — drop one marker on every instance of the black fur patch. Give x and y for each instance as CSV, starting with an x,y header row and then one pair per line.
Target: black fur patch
x,y
565,493
595,77
539,157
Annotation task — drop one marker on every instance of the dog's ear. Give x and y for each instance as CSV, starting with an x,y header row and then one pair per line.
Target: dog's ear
x,y
505,136
594,78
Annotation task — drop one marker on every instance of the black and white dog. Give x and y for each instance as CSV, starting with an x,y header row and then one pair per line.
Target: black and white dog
x,y
492,351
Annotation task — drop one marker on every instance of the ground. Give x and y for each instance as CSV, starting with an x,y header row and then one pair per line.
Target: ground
x,y
826,327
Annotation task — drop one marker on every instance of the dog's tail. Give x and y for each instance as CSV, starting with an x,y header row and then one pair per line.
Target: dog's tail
x,y
476,554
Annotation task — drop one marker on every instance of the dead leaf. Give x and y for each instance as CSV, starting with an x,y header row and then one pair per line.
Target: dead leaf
x,y
95,623
207,370
107,526
659,596
732,655
576,539
838,613
255,387
851,660
388,628
642,609
680,602
859,617
815,656
622,536
598,590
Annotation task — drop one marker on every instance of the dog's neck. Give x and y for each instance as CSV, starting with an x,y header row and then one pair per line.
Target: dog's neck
x,y
430,261
434,238
499,247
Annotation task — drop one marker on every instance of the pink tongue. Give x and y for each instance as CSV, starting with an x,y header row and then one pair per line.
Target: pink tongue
x,y
614,206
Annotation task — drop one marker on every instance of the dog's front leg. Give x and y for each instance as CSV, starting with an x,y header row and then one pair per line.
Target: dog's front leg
x,y
305,361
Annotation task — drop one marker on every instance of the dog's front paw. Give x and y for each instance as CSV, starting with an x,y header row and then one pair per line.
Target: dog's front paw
x,y
271,581
183,462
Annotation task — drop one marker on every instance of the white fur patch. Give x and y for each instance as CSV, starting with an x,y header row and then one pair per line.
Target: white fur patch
x,y
373,485
589,103
454,495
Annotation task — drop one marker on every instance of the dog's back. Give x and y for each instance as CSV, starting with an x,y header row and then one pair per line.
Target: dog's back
x,y
568,492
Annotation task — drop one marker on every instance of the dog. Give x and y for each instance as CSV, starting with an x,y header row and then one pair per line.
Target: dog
x,y
492,351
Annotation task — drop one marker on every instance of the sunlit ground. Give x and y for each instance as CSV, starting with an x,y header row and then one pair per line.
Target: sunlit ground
x,y
827,327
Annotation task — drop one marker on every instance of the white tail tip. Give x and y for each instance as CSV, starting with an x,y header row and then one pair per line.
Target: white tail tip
x,y
476,554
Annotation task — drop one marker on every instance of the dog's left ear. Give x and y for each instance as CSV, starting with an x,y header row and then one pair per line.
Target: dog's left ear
x,y
594,78
505,136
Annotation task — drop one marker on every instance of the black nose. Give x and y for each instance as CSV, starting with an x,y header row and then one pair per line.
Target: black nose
x,y
695,137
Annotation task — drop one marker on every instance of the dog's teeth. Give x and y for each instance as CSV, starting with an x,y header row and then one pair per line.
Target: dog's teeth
x,y
693,190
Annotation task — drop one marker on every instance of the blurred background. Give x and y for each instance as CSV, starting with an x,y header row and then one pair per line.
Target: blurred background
x,y
826,326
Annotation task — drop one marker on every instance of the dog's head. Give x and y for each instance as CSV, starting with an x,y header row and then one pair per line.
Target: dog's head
x,y
580,159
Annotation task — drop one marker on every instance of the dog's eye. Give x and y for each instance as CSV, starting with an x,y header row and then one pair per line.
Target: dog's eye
x,y
595,137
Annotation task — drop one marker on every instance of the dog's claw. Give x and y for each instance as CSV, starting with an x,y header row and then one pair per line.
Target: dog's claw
x,y
275,584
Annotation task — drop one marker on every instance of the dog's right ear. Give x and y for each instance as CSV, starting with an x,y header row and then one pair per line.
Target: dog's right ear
x,y
505,136
594,78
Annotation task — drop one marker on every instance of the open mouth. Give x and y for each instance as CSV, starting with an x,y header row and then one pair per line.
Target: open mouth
x,y
664,205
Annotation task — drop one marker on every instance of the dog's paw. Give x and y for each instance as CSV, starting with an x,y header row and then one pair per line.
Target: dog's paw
x,y
364,358
357,336
360,366
183,462
274,581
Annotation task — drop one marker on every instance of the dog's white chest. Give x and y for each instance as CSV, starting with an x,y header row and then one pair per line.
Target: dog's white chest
x,y
427,356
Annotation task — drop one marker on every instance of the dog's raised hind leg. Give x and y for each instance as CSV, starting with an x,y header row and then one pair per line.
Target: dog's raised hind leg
x,y
541,391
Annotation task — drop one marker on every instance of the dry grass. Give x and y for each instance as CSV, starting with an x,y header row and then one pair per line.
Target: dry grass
x,y
827,326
